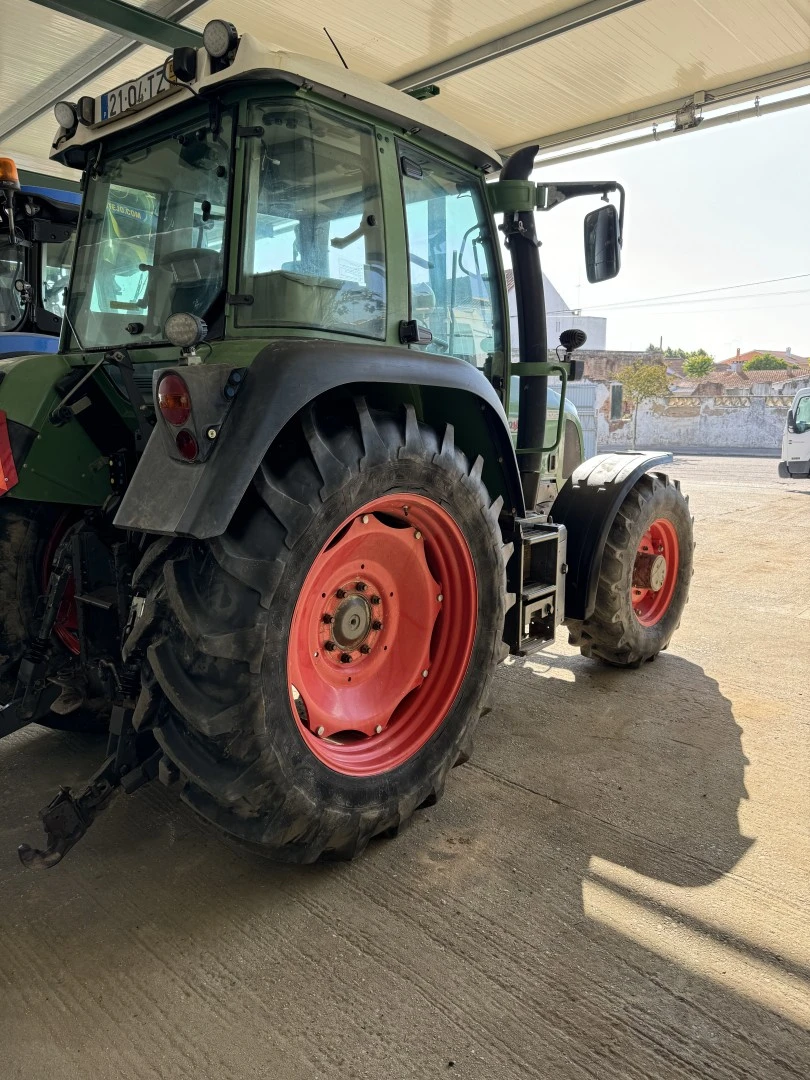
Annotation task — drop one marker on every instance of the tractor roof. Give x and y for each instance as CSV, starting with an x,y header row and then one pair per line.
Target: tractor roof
x,y
257,61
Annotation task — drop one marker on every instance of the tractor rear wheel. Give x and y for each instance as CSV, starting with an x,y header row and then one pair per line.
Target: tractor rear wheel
x,y
644,578
29,536
316,672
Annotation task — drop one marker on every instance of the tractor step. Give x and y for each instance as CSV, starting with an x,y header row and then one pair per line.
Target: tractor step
x,y
536,575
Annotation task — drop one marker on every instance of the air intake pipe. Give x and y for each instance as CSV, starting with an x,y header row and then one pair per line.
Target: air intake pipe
x,y
524,250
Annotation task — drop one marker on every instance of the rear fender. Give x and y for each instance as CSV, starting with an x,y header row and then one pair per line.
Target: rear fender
x,y
169,496
587,506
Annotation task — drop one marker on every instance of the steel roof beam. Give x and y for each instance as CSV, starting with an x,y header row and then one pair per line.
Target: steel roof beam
x,y
82,69
118,17
715,98
509,43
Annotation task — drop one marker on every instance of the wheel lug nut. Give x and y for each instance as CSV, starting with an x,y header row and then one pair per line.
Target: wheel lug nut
x,y
417,534
327,619
345,658
425,674
361,586
376,625
378,729
320,730
329,646
375,599
365,648
340,594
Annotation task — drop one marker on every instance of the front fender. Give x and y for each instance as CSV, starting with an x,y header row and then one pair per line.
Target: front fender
x,y
169,496
587,506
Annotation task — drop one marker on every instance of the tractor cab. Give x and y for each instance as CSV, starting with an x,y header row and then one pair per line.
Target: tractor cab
x,y
37,234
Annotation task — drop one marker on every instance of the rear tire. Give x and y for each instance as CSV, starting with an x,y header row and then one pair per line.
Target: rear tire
x,y
226,622
26,532
630,625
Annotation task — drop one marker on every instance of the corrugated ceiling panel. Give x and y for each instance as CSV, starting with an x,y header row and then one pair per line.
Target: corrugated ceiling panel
x,y
653,52
385,39
648,54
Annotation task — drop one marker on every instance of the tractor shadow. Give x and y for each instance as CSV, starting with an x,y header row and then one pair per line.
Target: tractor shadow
x,y
550,917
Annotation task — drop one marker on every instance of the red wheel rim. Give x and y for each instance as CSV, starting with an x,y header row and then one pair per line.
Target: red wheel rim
x,y
66,626
655,572
381,635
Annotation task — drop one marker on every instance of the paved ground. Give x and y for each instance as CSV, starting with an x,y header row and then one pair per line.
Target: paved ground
x,y
615,887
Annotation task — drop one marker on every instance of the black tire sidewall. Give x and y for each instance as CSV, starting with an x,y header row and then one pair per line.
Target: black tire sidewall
x,y
666,503
452,491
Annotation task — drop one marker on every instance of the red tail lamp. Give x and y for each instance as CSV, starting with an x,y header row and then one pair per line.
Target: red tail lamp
x,y
174,401
187,445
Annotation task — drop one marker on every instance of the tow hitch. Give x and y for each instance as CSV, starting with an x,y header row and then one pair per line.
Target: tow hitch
x,y
131,762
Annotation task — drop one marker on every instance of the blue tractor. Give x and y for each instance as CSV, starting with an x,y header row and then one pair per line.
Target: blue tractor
x,y
37,233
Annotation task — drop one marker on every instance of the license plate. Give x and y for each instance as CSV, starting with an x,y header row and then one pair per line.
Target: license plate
x,y
138,93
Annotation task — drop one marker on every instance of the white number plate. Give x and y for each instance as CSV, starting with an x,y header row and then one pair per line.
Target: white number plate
x,y
136,94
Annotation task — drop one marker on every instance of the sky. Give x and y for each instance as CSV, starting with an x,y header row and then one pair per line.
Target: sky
x,y
705,210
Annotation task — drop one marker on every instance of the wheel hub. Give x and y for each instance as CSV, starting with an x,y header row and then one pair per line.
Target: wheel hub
x,y
351,622
650,572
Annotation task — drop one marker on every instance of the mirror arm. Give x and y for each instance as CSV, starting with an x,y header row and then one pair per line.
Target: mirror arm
x,y
551,195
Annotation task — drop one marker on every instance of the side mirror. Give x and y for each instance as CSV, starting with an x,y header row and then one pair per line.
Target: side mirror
x,y
791,421
603,244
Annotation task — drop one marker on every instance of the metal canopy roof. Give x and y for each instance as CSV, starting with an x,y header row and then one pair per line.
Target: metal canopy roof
x,y
518,71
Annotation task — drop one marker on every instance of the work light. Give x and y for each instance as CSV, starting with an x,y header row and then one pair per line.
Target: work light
x,y
184,330
66,115
219,37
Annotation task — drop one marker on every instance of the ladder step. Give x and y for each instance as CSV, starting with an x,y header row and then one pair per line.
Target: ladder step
x,y
105,598
538,537
532,591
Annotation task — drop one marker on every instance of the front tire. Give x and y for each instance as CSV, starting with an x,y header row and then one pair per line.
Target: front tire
x,y
316,672
644,577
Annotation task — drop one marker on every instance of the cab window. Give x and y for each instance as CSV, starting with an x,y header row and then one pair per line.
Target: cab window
x,y
313,248
451,261
802,414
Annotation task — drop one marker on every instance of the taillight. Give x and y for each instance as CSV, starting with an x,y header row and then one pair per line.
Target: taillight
x,y
187,445
174,402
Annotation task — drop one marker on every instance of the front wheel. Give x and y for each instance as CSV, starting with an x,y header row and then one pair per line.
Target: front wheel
x,y
315,673
644,577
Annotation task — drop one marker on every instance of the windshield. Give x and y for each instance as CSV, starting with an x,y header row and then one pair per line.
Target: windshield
x,y
12,267
151,238
56,260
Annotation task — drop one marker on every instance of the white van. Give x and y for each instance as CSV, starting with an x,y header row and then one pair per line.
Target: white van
x,y
796,439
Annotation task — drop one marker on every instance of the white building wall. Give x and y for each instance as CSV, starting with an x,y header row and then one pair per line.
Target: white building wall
x,y
559,317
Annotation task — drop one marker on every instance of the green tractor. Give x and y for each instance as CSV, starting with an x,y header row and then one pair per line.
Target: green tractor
x,y
263,517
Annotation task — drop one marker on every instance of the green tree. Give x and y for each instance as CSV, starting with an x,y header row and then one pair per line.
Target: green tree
x,y
697,366
765,362
698,363
673,354
642,382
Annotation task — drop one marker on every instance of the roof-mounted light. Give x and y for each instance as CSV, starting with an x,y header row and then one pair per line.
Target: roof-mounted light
x,y
67,116
219,38
9,177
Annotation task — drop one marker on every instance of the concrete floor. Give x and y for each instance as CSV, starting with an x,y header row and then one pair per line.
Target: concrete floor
x,y
615,887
